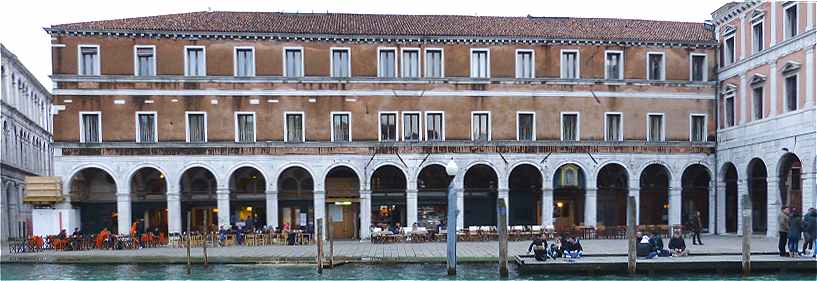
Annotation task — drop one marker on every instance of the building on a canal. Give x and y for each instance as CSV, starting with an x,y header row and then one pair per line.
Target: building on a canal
x,y
279,118
26,142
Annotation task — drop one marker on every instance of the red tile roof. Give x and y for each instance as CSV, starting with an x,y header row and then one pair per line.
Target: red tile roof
x,y
409,25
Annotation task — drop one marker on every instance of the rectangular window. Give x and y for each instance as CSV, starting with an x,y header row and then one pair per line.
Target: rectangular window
x,y
244,61
196,127
91,127
341,127
293,62
614,65
570,126
791,21
729,105
411,126
245,127
480,60
757,37
569,64
697,128
757,103
524,64
145,61
146,127
480,126
435,126
655,66
791,93
655,127
387,63
388,126
434,63
194,61
613,129
341,66
698,67
410,63
525,126
293,126
729,51
88,60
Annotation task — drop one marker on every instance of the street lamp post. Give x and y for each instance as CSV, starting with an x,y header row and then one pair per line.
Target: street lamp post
x,y
451,225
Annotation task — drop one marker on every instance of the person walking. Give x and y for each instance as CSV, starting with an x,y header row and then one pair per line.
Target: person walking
x,y
696,227
810,232
795,228
782,230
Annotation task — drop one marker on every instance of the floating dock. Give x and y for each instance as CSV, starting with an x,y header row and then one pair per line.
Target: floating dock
x,y
692,263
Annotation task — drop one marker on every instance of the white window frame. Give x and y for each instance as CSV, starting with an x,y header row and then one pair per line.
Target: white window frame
x,y
620,126
380,67
704,71
489,123
284,60
348,64
663,126
663,66
442,125
578,125
532,63
796,75
728,95
136,60
734,52
204,53
303,125
82,126
97,62
332,124
533,125
757,21
419,123
487,62
562,63
235,60
254,124
786,6
155,125
187,124
419,62
706,120
442,62
621,65
396,125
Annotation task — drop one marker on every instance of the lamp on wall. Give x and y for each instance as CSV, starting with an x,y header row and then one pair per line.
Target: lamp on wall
x,y
451,168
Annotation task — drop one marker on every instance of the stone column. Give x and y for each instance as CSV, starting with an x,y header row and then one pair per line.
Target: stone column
x,y
744,103
743,189
809,190
773,205
223,203
772,87
773,28
634,191
123,209
711,192
366,214
810,70
272,208
809,15
674,212
174,212
12,214
742,42
590,201
547,201
721,205
319,201
411,202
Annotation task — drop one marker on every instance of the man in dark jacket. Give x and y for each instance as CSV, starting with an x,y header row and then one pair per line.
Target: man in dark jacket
x,y
783,230
795,228
696,227
539,247
810,231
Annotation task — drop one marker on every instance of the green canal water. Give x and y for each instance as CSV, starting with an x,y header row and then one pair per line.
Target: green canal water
x,y
306,272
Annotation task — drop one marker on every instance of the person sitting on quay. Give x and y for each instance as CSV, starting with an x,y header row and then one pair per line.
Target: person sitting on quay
x,y
810,232
677,245
573,249
644,249
555,250
795,228
539,247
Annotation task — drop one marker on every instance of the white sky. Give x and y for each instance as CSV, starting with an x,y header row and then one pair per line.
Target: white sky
x,y
21,21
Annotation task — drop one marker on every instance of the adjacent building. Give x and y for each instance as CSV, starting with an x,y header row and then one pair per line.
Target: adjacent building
x,y
26,142
276,119
766,141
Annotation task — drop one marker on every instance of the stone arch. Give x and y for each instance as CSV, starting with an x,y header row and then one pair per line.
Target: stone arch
x,y
247,184
490,164
360,176
666,166
397,165
343,199
419,170
729,173
757,173
612,192
655,180
696,181
617,162
525,182
581,166
389,186
148,204
479,195
569,195
245,164
198,165
92,188
159,168
278,172
80,167
790,170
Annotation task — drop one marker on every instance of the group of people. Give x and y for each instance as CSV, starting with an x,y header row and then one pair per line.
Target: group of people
x,y
563,247
651,245
793,226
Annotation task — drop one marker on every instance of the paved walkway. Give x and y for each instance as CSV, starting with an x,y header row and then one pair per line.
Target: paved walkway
x,y
405,252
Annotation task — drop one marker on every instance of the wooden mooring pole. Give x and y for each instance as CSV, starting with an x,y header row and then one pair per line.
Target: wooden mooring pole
x,y
746,258
206,220
319,243
631,232
502,232
189,266
331,238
